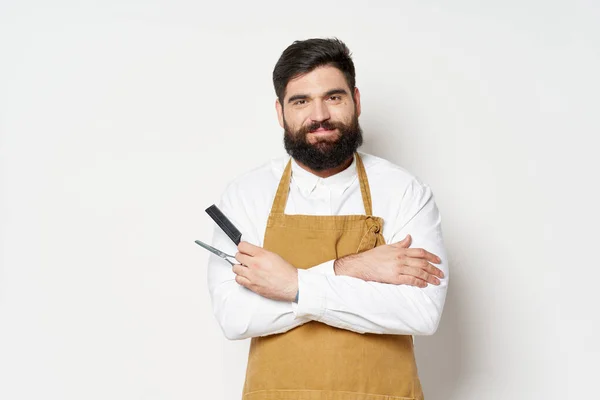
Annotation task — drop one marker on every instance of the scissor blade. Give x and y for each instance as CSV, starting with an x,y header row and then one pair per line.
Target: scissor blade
x,y
212,249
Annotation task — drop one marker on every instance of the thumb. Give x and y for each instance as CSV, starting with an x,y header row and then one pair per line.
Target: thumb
x,y
405,243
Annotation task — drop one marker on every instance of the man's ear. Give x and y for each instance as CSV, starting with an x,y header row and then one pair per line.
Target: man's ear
x,y
279,109
357,101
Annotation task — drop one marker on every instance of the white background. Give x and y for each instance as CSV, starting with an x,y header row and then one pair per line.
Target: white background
x,y
121,121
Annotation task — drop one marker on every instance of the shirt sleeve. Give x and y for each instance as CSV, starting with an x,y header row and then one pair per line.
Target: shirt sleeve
x,y
240,312
372,307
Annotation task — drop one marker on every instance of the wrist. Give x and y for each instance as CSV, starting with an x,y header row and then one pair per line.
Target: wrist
x,y
345,266
338,266
295,290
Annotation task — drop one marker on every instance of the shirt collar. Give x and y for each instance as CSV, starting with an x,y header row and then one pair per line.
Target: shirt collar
x,y
307,181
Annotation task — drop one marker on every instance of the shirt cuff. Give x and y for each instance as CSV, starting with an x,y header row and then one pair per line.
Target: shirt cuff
x,y
325,268
312,303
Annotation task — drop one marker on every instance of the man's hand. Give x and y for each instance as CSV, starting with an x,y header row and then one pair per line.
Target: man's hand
x,y
394,263
265,273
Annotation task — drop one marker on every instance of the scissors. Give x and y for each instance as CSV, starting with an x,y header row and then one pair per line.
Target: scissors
x,y
218,252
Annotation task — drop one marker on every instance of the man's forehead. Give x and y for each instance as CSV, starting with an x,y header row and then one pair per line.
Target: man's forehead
x,y
318,81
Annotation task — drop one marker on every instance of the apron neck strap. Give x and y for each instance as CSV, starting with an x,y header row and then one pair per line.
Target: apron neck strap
x,y
364,185
281,196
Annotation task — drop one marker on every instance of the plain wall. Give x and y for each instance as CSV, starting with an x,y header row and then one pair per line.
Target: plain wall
x,y
121,121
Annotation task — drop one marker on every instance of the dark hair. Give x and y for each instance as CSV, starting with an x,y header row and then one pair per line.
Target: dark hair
x,y
303,56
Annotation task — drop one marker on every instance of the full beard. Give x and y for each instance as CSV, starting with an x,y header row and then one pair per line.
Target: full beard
x,y
325,153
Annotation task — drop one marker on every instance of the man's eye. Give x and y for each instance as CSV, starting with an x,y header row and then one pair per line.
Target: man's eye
x,y
299,102
335,98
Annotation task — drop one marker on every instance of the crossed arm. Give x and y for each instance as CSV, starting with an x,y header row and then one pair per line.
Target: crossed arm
x,y
392,289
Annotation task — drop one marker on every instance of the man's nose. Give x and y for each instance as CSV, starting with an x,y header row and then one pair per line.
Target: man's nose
x,y
319,112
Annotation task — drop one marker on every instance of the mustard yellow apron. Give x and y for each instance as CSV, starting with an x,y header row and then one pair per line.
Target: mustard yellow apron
x,y
316,361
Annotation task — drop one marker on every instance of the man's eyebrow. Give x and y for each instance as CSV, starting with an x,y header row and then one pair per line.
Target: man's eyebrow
x,y
336,91
297,97
327,94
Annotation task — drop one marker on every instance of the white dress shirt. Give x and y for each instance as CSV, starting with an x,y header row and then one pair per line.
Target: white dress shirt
x,y
407,207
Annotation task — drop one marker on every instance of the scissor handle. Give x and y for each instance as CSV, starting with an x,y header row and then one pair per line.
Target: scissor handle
x,y
229,261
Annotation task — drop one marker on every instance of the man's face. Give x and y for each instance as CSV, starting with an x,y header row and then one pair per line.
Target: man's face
x,y
320,118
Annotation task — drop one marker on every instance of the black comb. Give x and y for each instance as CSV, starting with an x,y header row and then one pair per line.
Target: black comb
x,y
224,223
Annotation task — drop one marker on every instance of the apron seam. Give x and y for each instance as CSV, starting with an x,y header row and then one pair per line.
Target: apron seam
x,y
383,396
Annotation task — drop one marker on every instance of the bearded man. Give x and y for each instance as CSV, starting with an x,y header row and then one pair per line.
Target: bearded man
x,y
342,259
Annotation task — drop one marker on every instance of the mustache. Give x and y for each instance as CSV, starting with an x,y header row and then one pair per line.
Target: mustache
x,y
329,125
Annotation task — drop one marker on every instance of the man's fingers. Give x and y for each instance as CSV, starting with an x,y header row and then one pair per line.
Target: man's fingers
x,y
243,259
245,282
240,270
421,274
411,281
424,266
404,243
422,253
248,248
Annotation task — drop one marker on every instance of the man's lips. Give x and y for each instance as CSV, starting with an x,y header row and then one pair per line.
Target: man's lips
x,y
322,131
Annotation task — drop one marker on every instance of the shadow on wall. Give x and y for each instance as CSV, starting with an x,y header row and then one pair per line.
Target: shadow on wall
x,y
441,357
